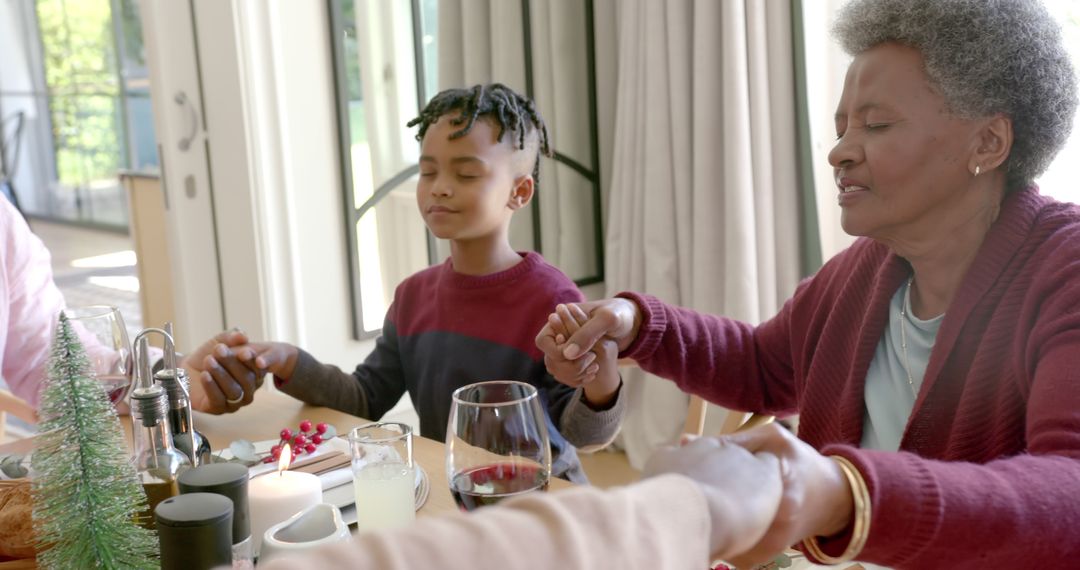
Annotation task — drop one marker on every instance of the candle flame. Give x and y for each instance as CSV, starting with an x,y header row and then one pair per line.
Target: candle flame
x,y
285,459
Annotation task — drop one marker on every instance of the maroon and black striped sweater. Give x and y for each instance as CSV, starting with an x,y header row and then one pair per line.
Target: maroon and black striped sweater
x,y
445,330
988,472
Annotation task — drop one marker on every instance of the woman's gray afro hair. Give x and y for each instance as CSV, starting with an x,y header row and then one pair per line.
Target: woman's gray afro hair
x,y
985,57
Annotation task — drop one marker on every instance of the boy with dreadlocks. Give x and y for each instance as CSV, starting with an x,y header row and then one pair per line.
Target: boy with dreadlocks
x,y
474,317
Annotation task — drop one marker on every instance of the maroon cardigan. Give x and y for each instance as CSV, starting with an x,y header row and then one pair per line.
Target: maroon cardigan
x,y
988,472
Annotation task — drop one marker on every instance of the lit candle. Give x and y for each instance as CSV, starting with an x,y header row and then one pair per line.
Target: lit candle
x,y
275,497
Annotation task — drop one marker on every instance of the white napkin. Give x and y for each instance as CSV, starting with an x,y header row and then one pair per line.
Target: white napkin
x,y
343,476
336,478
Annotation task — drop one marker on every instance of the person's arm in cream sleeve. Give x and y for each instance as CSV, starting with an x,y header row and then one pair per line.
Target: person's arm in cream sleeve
x,y
672,521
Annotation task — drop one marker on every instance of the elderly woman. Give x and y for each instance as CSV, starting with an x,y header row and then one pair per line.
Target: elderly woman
x,y
934,363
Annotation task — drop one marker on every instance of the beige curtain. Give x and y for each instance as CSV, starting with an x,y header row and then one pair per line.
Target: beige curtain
x,y
481,41
704,196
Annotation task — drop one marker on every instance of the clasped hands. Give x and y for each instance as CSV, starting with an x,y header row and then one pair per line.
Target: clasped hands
x,y
766,489
226,370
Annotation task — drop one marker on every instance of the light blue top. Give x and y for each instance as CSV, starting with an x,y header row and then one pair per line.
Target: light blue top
x,y
888,396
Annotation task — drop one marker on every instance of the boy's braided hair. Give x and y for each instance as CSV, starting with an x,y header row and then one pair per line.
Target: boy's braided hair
x,y
508,109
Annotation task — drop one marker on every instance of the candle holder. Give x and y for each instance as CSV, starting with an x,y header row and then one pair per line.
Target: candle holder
x,y
275,497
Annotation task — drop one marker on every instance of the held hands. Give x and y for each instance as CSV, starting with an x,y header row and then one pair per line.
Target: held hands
x,y
816,498
226,370
219,381
767,490
616,319
742,489
596,371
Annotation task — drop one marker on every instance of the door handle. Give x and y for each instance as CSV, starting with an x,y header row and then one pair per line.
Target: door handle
x,y
182,100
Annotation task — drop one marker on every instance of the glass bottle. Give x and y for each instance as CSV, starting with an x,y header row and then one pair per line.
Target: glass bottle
x,y
157,462
185,436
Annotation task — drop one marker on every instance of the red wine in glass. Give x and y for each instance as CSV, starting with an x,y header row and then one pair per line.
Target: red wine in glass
x,y
489,484
116,385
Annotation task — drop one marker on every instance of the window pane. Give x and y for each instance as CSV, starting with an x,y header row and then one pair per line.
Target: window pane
x,y
83,95
77,39
18,74
29,159
381,96
142,141
568,219
429,30
391,246
1059,180
132,52
89,151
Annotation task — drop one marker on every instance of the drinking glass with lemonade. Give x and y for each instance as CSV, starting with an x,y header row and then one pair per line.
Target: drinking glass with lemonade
x,y
384,475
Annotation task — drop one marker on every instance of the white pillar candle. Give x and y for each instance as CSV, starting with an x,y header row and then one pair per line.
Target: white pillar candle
x,y
276,497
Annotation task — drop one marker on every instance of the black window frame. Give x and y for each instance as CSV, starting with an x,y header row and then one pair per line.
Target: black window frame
x,y
353,213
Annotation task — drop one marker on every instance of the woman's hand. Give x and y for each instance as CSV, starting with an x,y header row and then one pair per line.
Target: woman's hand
x,y
816,500
597,373
617,319
220,381
742,489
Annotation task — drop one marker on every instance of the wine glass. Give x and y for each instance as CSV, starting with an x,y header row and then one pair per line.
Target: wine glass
x,y
496,443
101,331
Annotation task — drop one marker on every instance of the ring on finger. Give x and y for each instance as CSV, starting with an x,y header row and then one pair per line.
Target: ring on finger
x,y
238,399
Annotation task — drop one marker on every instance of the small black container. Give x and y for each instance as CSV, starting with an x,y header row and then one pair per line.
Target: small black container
x,y
195,531
228,479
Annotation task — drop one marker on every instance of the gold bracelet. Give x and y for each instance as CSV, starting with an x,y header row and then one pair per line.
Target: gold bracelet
x,y
860,494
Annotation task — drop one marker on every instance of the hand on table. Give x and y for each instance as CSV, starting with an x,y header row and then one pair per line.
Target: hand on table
x,y
743,489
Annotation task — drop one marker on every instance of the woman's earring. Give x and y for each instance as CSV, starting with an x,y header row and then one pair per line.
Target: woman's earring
x,y
977,170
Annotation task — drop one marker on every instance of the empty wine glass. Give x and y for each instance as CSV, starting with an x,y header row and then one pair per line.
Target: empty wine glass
x,y
101,330
496,443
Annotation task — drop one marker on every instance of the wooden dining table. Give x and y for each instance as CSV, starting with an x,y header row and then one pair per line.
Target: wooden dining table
x,y
273,410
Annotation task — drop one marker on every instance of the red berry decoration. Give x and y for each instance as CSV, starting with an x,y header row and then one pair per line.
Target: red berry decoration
x,y
305,440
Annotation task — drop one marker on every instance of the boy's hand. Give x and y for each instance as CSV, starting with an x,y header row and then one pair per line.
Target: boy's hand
x,y
597,372
616,319
226,370
277,358
218,376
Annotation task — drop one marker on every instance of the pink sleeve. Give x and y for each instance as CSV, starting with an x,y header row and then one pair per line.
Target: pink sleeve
x,y
29,312
657,523
726,362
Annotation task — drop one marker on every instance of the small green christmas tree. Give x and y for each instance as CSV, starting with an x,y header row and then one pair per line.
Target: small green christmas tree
x,y
86,494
